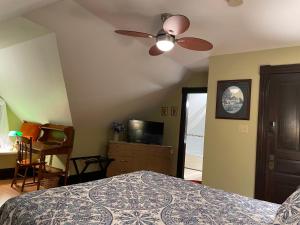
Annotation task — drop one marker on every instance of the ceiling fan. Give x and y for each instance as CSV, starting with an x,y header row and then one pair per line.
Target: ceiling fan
x,y
172,25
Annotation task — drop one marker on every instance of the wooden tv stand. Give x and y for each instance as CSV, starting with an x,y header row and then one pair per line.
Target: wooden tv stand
x,y
130,157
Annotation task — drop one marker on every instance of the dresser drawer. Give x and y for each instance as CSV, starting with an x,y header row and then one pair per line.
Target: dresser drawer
x,y
120,166
130,157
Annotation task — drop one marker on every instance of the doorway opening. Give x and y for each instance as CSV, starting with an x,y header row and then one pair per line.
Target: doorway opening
x,y
192,127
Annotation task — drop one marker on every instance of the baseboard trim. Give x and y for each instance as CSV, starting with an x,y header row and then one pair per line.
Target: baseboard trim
x,y
7,173
74,179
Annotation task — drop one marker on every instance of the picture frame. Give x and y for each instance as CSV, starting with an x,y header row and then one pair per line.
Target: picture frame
x,y
173,110
164,111
233,99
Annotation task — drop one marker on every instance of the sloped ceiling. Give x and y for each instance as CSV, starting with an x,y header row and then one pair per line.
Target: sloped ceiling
x,y
19,30
14,8
255,25
31,81
104,84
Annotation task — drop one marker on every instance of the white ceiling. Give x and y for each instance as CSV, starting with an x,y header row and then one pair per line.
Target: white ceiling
x,y
14,8
255,25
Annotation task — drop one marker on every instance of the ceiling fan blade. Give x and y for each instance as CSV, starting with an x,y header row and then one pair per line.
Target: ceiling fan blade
x,y
134,33
196,44
154,51
176,24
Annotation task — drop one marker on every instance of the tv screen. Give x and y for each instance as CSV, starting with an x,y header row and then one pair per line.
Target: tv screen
x,y
145,132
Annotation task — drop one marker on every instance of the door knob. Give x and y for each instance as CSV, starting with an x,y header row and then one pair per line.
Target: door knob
x,y
272,124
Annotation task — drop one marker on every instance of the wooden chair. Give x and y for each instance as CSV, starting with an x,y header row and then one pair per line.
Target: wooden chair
x,y
25,161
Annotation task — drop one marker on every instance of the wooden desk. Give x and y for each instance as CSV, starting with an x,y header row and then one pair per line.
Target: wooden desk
x,y
51,148
48,148
55,140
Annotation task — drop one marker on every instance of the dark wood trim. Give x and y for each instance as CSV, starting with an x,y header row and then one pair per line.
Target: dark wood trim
x,y
291,68
181,145
90,176
266,72
7,173
260,156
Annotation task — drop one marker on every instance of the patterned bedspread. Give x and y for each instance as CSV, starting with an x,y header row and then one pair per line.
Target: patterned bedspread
x,y
139,198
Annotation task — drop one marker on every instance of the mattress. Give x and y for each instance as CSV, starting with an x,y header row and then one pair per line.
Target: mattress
x,y
139,198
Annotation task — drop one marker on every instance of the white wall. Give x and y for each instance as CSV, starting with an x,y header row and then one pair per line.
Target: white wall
x,y
31,81
32,84
196,113
108,77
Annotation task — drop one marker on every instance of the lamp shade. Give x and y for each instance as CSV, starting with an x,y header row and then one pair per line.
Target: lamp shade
x,y
14,133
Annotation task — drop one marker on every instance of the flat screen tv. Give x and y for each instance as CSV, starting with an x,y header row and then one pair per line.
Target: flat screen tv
x,y
145,132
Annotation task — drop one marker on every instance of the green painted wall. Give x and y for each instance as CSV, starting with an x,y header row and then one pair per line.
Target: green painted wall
x,y
9,160
230,145
13,121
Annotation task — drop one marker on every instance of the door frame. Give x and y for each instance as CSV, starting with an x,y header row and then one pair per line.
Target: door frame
x,y
266,73
181,145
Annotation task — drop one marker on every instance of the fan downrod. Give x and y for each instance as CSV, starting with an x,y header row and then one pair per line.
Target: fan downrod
x,y
165,16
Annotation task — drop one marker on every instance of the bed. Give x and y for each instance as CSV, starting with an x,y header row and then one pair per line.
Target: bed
x,y
139,198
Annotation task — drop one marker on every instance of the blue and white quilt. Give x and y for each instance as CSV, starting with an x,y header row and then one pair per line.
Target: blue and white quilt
x,y
139,198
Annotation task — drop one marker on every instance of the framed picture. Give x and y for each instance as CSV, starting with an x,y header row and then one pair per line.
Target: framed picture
x,y
174,110
233,99
164,111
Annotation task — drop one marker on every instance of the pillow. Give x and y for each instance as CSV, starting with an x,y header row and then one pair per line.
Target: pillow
x,y
289,212
31,130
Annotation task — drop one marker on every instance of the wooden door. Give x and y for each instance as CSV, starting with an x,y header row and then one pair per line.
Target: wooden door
x,y
278,155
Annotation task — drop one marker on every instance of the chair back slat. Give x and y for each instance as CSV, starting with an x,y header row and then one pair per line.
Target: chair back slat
x,y
25,150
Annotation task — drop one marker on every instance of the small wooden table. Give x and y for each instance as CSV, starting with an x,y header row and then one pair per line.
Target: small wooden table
x,y
51,148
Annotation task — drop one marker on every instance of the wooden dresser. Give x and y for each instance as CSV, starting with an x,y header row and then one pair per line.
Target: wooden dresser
x,y
130,157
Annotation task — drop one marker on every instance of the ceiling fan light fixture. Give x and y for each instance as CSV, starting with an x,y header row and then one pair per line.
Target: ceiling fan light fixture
x,y
172,25
234,3
165,42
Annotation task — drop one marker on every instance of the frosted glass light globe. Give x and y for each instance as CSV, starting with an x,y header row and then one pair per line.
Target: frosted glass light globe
x,y
165,42
165,45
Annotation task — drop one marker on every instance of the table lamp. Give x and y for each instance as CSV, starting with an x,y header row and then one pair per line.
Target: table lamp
x,y
16,134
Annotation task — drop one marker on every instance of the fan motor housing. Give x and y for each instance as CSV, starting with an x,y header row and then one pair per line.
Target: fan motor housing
x,y
165,37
